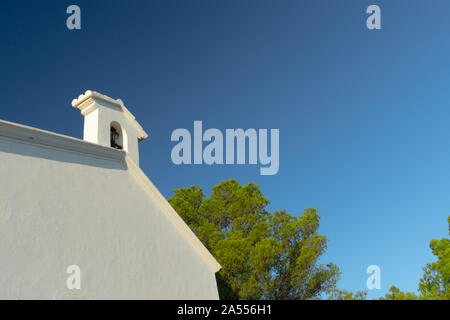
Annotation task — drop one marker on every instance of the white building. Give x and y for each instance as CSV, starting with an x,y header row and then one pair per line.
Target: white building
x,y
65,202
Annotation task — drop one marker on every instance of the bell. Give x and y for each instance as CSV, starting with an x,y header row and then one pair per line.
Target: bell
x,y
114,137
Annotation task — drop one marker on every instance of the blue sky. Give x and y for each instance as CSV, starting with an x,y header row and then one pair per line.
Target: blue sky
x,y
363,115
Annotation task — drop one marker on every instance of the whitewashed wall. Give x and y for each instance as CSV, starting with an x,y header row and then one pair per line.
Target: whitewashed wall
x,y
61,208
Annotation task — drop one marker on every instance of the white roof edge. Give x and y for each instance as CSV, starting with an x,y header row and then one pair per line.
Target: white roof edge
x,y
172,215
51,139
118,102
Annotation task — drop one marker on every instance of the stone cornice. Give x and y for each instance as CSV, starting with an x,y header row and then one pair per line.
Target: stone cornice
x,y
41,137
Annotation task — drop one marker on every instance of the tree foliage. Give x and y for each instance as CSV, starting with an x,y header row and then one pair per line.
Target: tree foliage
x,y
396,294
435,283
336,294
264,255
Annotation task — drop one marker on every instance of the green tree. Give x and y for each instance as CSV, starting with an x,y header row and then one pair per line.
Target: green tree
x,y
336,294
264,255
435,283
396,294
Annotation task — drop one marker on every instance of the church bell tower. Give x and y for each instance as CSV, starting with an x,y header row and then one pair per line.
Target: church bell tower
x,y
108,122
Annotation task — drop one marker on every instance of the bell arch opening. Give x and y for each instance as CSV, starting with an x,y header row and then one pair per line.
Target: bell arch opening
x,y
118,137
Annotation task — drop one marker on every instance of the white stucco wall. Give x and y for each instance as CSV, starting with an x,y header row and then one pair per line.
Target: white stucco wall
x,y
61,208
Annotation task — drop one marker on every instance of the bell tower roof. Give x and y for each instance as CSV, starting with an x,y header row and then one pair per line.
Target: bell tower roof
x,y
90,100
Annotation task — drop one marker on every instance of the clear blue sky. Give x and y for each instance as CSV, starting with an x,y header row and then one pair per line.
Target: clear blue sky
x,y
363,115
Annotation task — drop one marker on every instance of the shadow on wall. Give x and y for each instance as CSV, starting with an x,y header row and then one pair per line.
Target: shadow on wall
x,y
30,149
